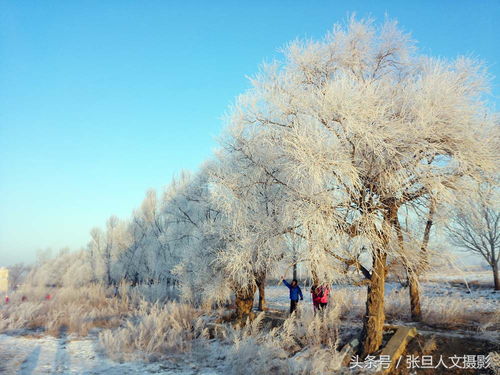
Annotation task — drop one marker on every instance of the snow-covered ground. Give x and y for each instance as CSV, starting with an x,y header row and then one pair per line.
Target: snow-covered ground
x,y
483,276
49,355
485,299
25,354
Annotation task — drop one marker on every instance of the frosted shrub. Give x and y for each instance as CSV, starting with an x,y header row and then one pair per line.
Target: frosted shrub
x,y
155,332
350,301
398,305
249,356
311,329
255,351
455,311
317,362
13,317
305,344
156,292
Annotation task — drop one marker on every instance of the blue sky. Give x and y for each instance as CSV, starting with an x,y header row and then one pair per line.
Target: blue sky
x,y
102,100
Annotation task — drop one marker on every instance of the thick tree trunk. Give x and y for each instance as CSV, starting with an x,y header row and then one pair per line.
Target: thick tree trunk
x,y
295,271
495,276
244,303
261,285
373,322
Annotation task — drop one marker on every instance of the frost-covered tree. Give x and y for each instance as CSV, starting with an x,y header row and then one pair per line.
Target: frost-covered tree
x,y
413,247
64,269
95,248
76,270
17,274
195,232
148,256
354,127
161,232
133,263
105,247
475,226
251,205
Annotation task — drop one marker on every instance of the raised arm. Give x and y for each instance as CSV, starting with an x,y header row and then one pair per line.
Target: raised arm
x,y
286,283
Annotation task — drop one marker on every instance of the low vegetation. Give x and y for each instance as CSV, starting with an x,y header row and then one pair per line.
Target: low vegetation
x,y
68,310
131,328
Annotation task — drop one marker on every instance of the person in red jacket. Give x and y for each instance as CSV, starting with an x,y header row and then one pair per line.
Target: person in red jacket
x,y
315,297
323,292
7,299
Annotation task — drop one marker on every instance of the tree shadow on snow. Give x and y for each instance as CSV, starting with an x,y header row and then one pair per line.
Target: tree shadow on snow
x,y
31,362
62,358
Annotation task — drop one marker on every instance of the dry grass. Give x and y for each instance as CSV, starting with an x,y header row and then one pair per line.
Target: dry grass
x,y
351,303
453,312
305,344
252,350
70,310
134,329
450,311
430,346
154,332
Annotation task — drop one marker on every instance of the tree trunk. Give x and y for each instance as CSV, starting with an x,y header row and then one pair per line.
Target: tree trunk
x,y
495,276
244,303
412,274
416,311
108,275
373,322
261,285
315,278
427,234
295,271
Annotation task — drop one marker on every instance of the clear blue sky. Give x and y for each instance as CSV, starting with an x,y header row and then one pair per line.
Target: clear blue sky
x,y
101,100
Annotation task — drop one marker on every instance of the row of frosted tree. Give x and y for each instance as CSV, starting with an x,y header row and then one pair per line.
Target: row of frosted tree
x,y
339,157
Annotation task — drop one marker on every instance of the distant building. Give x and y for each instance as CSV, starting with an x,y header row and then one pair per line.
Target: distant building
x,y
4,280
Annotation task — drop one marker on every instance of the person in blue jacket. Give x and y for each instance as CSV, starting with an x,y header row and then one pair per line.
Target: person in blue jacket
x,y
295,293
